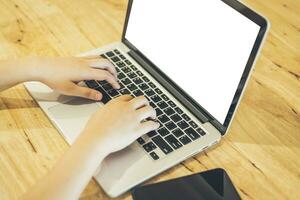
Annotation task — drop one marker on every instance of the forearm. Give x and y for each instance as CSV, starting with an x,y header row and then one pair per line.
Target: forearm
x,y
72,173
13,72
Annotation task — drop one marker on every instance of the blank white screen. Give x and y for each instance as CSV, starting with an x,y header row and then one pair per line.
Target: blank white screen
x,y
203,46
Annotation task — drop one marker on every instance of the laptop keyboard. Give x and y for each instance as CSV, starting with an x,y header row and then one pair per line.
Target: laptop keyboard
x,y
176,127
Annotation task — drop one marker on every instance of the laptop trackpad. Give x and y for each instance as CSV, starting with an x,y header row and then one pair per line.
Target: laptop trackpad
x,y
71,117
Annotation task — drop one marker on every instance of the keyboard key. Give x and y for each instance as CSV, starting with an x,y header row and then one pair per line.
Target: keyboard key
x,y
105,97
155,98
153,105
163,119
154,156
145,79
149,100
139,73
162,144
178,133
113,93
169,111
185,117
137,81
158,112
158,91
182,125
170,125
107,87
137,93
150,92
126,70
193,124
152,85
121,75
92,84
185,140
122,57
152,134
141,141
143,86
110,54
173,141
132,87
102,82
164,97
132,75
176,118
162,105
200,131
121,86
128,62
115,59
152,145
172,104
117,51
163,131
149,146
178,110
126,81
121,64
192,133
133,67
124,91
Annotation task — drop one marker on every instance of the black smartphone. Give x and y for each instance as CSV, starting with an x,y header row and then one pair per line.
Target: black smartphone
x,y
209,185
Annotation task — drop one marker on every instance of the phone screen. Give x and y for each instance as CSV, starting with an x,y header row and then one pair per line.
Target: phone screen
x,y
210,185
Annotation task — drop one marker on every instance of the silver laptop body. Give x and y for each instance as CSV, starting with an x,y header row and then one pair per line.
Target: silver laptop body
x,y
125,169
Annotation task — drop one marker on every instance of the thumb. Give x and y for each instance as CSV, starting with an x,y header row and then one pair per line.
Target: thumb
x,y
72,89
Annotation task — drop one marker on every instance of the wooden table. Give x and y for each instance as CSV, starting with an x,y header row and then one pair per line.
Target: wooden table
x,y
261,153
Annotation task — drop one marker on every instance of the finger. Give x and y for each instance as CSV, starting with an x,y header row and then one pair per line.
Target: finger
x,y
124,98
74,90
103,64
139,102
148,126
146,113
100,75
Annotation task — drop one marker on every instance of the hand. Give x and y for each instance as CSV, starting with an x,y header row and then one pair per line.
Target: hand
x,y
112,128
120,122
63,74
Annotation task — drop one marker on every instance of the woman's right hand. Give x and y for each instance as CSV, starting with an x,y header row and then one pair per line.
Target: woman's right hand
x,y
120,122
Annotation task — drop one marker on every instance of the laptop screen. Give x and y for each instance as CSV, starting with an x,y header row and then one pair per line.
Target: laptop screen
x,y
203,46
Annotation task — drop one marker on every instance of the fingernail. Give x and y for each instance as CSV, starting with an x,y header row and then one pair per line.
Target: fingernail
x,y
158,125
98,96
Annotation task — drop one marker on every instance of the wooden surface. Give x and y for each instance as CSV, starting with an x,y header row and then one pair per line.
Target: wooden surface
x,y
261,152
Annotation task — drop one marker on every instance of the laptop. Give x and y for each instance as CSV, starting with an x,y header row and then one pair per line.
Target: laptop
x,y
191,59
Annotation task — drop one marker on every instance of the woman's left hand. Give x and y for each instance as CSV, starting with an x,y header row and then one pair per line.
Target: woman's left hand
x,y
63,74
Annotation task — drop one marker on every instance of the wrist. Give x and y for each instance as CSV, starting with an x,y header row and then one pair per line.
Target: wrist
x,y
95,143
34,70
25,69
17,71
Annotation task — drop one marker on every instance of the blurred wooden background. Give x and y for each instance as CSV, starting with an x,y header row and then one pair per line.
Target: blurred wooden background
x,y
261,152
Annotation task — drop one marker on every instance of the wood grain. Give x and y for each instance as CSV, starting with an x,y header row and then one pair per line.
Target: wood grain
x,y
261,151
